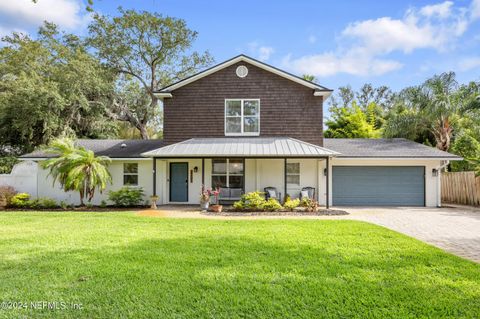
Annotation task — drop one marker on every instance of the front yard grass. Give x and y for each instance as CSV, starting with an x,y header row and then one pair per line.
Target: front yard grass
x,y
119,265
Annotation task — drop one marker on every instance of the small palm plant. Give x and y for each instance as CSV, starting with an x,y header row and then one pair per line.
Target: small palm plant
x,y
77,169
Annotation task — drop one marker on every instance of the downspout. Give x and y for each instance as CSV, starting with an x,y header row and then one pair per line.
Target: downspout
x,y
439,184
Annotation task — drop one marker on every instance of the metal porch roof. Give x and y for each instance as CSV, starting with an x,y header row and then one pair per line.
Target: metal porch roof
x,y
241,147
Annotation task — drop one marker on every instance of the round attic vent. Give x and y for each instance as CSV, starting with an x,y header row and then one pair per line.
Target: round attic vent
x,y
242,71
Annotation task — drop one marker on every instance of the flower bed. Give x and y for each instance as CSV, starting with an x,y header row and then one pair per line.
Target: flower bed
x,y
320,212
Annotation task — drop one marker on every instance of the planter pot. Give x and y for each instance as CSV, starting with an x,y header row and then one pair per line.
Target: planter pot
x,y
204,205
216,208
153,202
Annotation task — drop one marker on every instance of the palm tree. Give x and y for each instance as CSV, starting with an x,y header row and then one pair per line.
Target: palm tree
x,y
77,169
435,107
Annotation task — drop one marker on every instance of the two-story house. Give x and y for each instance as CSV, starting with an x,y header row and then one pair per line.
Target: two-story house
x,y
242,126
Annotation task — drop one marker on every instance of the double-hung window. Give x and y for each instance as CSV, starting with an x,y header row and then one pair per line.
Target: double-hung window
x,y
130,174
242,117
293,174
227,172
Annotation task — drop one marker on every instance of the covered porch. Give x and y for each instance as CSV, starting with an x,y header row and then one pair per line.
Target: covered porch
x,y
240,165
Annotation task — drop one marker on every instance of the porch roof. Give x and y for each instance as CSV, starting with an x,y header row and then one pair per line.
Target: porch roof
x,y
241,147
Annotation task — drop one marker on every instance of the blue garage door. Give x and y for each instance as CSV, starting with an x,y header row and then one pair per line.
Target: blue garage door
x,y
378,185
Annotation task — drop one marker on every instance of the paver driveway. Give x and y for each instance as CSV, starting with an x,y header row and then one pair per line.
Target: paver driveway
x,y
454,229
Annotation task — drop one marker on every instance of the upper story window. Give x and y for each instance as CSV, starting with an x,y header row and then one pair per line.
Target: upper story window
x,y
130,174
242,117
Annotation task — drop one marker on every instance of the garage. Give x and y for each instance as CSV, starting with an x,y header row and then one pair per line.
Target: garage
x,y
378,185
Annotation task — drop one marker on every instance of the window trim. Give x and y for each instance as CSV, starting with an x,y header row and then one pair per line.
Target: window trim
x,y
227,173
130,174
242,117
294,174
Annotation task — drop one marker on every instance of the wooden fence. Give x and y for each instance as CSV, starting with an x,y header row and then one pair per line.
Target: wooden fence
x,y
461,188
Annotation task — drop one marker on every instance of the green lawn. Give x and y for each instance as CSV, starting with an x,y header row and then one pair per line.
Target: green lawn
x,y
122,265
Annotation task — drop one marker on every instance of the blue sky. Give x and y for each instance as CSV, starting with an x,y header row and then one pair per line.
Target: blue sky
x,y
394,43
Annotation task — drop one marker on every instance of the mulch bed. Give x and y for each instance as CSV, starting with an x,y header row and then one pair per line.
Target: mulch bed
x,y
322,212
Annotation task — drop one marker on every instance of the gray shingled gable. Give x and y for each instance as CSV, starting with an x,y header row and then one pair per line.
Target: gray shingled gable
x,y
110,148
395,147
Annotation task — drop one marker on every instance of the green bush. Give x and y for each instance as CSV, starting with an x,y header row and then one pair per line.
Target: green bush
x,y
291,204
272,205
20,200
7,163
250,201
127,196
42,203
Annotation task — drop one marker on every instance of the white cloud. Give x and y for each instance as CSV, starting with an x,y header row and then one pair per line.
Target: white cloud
x,y
261,52
475,9
364,45
328,64
264,53
312,39
470,63
441,10
25,14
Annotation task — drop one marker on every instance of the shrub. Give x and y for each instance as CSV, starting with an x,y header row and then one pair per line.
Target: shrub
x,y
43,203
7,192
272,205
250,201
63,205
103,204
291,204
126,196
310,205
20,200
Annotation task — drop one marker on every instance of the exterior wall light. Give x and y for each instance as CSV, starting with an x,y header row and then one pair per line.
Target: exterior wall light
x,y
195,169
434,172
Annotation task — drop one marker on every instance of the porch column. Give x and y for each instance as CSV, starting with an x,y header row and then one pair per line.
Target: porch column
x,y
328,183
285,177
203,171
154,176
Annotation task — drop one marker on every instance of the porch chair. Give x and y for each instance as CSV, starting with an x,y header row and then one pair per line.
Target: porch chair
x,y
272,192
308,192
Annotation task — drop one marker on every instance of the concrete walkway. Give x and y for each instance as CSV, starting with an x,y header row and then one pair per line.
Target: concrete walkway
x,y
455,229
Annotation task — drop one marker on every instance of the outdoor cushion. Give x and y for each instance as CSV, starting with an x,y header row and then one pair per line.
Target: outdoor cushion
x,y
271,193
224,192
304,194
235,192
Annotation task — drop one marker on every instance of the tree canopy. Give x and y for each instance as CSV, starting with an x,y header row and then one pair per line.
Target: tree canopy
x,y
51,86
148,51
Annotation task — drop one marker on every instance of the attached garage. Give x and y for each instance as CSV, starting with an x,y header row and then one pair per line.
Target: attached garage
x,y
378,185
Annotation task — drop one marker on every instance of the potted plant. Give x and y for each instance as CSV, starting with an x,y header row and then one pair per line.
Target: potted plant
x,y
204,198
216,208
153,201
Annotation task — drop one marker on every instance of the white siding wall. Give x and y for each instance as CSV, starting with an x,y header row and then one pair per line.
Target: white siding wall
x,y
145,178
259,173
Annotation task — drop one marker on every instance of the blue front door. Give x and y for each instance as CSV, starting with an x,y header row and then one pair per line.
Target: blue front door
x,y
179,182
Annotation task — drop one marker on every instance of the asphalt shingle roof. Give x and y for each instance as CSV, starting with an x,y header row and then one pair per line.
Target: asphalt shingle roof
x,y
366,148
110,148
382,147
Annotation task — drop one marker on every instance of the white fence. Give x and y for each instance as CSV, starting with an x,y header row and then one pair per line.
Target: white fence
x,y
23,178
